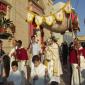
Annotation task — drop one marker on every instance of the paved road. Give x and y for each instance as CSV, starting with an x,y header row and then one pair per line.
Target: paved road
x,y
65,78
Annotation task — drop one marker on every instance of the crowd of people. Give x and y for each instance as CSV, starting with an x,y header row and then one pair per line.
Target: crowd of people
x,y
42,65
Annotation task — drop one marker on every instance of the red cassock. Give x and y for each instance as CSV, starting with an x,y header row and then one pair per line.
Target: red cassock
x,y
84,52
21,54
73,57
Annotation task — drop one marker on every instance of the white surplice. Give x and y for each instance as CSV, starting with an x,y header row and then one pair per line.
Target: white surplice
x,y
17,78
40,72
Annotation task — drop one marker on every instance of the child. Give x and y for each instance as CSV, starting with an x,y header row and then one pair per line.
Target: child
x,y
15,75
39,73
22,57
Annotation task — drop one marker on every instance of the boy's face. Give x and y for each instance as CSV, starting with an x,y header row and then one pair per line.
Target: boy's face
x,y
33,39
36,63
18,45
14,68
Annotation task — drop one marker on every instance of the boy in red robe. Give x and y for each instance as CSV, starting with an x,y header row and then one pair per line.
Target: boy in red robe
x,y
22,57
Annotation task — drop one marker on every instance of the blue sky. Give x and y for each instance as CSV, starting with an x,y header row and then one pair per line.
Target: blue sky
x,y
79,6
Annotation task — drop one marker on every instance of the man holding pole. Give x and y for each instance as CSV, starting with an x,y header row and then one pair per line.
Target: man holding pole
x,y
74,64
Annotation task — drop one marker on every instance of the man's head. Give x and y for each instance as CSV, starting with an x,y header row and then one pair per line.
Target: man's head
x,y
1,43
14,66
36,60
33,38
19,43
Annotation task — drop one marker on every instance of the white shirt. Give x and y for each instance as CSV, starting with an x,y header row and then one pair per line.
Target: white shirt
x,y
40,72
35,48
16,77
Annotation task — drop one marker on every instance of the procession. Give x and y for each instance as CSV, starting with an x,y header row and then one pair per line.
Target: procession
x,y
40,43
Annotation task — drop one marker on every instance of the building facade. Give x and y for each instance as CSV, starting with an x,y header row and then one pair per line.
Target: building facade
x,y
18,14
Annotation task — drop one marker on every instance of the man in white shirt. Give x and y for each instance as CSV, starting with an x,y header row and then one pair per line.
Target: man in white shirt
x,y
34,49
34,46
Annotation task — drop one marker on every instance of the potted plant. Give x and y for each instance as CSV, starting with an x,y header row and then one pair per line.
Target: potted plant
x,y
5,25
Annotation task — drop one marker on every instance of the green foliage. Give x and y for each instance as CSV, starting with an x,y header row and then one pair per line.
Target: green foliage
x,y
5,23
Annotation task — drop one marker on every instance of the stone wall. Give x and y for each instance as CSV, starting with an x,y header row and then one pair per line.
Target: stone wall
x,y
18,14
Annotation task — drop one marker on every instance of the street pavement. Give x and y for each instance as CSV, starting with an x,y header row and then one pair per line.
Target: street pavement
x,y
65,78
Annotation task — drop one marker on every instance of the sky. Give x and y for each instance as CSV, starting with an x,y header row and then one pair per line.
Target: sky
x,y
79,6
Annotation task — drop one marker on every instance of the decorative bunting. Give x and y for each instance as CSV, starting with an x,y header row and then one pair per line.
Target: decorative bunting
x,y
49,20
38,20
30,17
68,7
59,16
